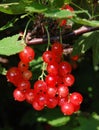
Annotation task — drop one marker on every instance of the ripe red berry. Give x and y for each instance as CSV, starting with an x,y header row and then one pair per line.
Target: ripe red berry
x,y
69,80
41,99
67,7
51,80
18,95
76,98
23,85
27,54
76,108
40,86
52,68
14,75
51,91
30,95
67,108
52,102
62,90
63,22
36,106
23,66
48,56
62,100
57,48
27,74
64,68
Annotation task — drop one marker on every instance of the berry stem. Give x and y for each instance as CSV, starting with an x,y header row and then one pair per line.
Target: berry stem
x,y
48,37
26,29
41,77
60,35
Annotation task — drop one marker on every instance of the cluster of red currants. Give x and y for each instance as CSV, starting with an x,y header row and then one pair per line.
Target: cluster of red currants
x,y
53,89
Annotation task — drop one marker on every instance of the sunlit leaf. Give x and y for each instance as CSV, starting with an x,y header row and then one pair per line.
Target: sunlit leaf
x,y
86,22
10,45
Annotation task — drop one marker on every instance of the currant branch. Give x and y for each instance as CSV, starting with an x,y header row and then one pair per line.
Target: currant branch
x,y
74,33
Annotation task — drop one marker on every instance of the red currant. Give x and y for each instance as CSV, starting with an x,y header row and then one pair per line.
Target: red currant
x,y
48,56
67,108
57,48
51,80
64,68
23,66
51,91
69,80
18,95
27,54
14,75
23,85
52,68
62,90
40,86
29,95
27,74
36,106
76,98
62,100
52,102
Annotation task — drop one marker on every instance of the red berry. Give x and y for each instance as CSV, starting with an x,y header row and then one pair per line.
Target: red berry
x,y
23,66
27,74
23,85
37,107
57,48
67,7
52,68
64,68
67,108
62,100
62,90
14,75
27,54
41,99
29,95
75,58
40,86
48,56
51,91
51,80
76,98
69,80
52,102
18,95
76,108
63,22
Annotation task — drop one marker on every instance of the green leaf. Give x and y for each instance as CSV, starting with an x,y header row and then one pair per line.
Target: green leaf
x,y
95,50
10,45
89,123
9,24
86,22
35,8
56,13
54,117
85,42
13,8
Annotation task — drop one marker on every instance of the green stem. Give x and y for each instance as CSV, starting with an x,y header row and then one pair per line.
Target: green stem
x,y
26,29
81,9
41,77
48,36
60,35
